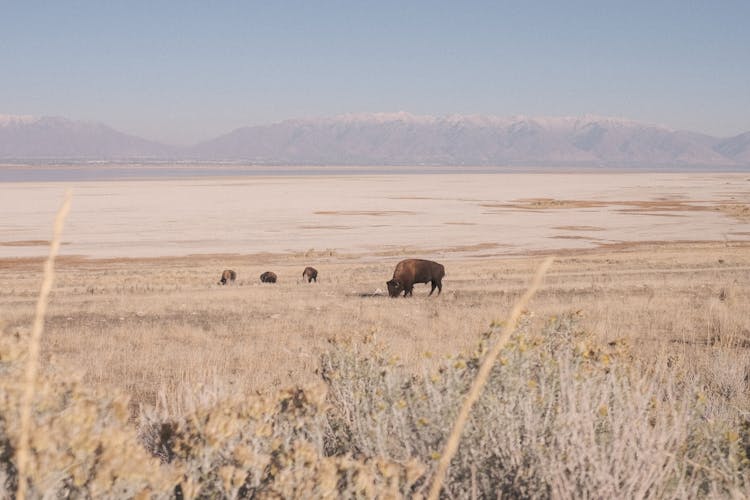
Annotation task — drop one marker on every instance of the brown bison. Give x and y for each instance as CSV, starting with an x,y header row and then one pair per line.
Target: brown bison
x,y
227,275
310,274
268,277
412,271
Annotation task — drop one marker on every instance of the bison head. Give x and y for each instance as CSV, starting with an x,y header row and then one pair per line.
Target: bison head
x,y
394,287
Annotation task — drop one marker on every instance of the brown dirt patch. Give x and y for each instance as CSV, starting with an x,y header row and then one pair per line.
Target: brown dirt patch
x,y
414,198
376,213
546,203
574,237
470,248
28,243
661,206
579,228
325,227
651,213
644,207
739,211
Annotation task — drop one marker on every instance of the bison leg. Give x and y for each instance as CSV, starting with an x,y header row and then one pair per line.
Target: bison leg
x,y
439,287
434,285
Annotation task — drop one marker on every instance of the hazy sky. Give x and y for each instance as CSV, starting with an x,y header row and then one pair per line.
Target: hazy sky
x,y
185,71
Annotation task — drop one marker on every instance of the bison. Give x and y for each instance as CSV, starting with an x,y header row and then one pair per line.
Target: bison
x,y
227,275
268,277
310,274
412,271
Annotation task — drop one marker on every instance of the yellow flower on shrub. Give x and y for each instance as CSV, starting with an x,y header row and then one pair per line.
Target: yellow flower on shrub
x,y
603,411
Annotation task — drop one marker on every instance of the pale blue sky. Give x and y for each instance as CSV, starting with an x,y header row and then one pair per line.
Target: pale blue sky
x,y
185,71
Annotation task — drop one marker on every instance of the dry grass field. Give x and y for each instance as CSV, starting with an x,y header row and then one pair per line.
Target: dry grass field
x,y
160,327
177,345
628,376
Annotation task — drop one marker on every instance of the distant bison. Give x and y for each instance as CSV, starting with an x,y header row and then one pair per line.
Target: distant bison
x,y
268,277
227,275
412,271
310,274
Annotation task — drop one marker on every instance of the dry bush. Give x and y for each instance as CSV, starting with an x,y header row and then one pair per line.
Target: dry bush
x,y
562,415
265,447
81,445
85,445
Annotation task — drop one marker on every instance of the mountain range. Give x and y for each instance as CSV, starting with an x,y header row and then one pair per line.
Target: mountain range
x,y
391,139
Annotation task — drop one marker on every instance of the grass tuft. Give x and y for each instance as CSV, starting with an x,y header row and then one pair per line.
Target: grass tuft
x,y
481,379
32,362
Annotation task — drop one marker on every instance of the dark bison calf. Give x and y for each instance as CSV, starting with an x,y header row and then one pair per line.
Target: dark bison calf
x,y
268,277
412,271
310,274
227,275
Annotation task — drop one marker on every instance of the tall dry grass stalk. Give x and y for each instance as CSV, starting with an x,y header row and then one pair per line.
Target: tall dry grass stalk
x,y
32,363
451,446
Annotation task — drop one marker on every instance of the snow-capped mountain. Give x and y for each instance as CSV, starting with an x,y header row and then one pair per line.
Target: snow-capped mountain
x,y
28,137
394,139
402,138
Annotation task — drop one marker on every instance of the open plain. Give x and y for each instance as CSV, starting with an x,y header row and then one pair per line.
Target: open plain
x,y
655,257
656,264
164,325
471,214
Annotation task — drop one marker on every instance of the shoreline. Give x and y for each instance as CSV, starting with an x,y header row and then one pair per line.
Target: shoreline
x,y
296,258
120,172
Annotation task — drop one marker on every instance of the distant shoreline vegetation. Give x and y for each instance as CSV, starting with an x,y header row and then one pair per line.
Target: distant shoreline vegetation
x,y
83,170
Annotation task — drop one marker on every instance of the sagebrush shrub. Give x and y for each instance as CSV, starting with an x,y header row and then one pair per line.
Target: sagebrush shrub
x,y
562,416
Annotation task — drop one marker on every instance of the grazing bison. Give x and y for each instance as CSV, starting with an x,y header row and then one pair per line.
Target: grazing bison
x,y
268,277
412,271
310,274
227,275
